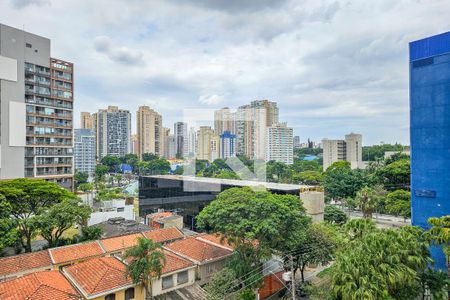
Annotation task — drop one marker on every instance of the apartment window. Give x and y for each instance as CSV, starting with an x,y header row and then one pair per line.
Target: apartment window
x,y
167,282
182,277
110,297
129,294
28,45
209,268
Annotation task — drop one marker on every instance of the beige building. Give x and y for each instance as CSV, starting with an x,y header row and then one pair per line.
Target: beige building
x,y
134,144
224,121
204,137
150,133
86,120
349,150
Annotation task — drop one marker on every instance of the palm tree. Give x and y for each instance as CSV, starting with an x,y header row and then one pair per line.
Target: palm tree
x,y
440,234
147,262
368,201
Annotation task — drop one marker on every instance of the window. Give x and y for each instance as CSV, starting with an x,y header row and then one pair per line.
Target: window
x,y
182,277
167,282
120,209
129,294
110,297
209,268
28,45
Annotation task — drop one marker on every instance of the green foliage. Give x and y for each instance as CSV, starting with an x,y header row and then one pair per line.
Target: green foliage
x,y
341,182
375,152
383,264
155,166
356,229
225,174
58,218
247,294
27,198
91,233
308,177
100,172
306,165
367,200
221,284
9,234
86,187
112,162
437,282
130,159
147,262
440,233
301,152
334,215
278,172
80,178
395,175
149,157
398,203
179,170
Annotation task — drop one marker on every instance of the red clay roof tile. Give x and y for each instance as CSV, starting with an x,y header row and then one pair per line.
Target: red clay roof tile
x,y
25,262
163,235
198,250
120,242
38,286
75,252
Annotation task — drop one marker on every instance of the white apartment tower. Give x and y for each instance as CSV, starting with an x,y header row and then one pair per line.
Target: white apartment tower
x,y
280,144
84,151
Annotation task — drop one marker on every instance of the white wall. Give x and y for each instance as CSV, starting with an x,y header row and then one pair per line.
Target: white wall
x,y
99,216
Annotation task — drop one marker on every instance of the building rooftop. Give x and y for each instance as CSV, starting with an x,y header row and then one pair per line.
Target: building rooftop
x,y
120,226
234,182
163,235
215,239
67,254
120,242
25,263
39,286
197,250
98,275
430,46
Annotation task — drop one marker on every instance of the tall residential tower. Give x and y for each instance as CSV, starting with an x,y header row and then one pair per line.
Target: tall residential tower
x,y
150,138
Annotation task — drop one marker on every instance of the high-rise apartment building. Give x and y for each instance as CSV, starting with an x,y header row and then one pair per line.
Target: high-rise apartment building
x,y
430,132
86,120
204,137
280,144
192,142
182,138
113,132
215,147
149,132
224,121
227,145
296,142
36,109
134,144
349,150
171,147
251,127
84,151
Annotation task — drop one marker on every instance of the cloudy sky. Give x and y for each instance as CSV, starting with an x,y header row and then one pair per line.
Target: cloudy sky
x,y
332,66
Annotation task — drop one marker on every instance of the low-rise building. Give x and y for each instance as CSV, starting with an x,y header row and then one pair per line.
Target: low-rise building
x,y
164,219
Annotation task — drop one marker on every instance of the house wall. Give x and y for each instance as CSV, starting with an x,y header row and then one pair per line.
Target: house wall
x,y
207,270
157,283
139,294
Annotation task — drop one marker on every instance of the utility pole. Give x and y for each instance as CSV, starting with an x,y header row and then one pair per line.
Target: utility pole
x,y
292,277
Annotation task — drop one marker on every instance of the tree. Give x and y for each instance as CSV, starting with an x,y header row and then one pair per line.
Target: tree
x,y
341,182
398,203
306,165
372,153
440,235
278,171
437,282
334,215
221,284
147,262
112,162
313,246
130,159
149,156
395,175
80,178
100,172
367,200
308,177
383,264
356,229
244,216
225,174
27,199
91,233
8,230
58,218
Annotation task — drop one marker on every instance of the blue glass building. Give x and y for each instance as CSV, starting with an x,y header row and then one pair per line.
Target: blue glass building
x,y
430,131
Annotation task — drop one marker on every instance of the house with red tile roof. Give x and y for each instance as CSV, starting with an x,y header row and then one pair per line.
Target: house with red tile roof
x,y
41,285
215,239
22,264
120,243
208,257
164,235
103,278
164,219
70,254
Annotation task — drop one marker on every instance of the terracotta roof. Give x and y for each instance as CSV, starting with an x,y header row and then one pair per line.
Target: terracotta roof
x,y
198,250
163,235
75,252
24,262
160,215
98,275
215,239
38,286
120,242
175,262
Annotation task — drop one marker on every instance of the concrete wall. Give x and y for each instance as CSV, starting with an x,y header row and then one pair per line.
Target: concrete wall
x,y
314,203
207,270
157,283
139,294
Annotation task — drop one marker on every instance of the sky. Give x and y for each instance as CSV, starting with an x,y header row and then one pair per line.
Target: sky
x,y
333,67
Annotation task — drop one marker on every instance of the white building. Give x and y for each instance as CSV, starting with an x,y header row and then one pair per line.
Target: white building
x,y
280,144
84,151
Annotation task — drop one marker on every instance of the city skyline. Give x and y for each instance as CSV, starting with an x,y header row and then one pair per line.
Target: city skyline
x,y
324,87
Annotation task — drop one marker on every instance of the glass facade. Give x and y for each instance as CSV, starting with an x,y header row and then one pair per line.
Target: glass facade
x,y
430,131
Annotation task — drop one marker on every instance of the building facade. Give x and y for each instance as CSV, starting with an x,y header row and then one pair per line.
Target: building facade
x,y
84,151
430,131
204,137
192,143
180,132
333,151
353,147
280,144
36,109
149,128
224,121
171,147
227,145
86,120
296,142
349,150
113,132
